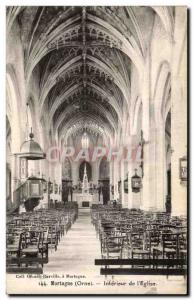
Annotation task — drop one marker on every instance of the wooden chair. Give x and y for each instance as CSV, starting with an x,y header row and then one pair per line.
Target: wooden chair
x,y
139,247
114,246
167,247
13,245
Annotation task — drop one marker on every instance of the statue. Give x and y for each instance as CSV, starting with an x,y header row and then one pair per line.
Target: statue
x,y
85,184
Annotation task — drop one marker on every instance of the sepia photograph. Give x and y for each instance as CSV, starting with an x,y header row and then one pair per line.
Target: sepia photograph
x,y
96,150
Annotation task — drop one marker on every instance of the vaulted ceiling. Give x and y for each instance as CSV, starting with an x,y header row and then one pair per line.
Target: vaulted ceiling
x,y
84,58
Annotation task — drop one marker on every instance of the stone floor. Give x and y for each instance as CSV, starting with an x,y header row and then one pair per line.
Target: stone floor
x,y
78,249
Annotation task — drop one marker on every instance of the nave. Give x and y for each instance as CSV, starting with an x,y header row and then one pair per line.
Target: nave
x,y
96,143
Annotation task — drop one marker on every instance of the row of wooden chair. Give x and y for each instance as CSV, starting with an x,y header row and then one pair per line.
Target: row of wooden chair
x,y
30,237
125,233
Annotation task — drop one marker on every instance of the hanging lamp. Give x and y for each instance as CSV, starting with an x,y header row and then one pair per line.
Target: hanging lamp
x,y
126,188
136,183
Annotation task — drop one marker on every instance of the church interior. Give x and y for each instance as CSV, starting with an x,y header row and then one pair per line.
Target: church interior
x,y
96,140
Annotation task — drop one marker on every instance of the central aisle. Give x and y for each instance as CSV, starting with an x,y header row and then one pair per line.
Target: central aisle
x,y
77,250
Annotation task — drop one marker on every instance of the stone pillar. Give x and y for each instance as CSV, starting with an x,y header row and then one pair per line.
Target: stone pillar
x,y
58,178
146,194
125,163
115,175
160,164
75,172
111,178
130,194
146,189
15,170
46,174
179,111
95,171
129,171
124,203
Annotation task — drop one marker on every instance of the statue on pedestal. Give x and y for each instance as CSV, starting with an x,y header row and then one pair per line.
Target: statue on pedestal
x,y
85,183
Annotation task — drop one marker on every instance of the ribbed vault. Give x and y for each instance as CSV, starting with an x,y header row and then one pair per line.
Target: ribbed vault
x,y
84,58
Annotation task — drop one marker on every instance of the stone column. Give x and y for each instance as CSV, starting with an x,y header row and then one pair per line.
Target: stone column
x,y
179,111
115,175
75,172
95,172
160,163
58,178
130,172
146,189
146,194
15,174
111,178
125,163
124,203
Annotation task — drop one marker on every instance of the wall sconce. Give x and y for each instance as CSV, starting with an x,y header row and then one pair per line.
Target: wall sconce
x,y
136,183
183,170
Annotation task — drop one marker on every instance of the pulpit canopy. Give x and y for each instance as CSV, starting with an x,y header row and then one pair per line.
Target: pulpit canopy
x,y
31,150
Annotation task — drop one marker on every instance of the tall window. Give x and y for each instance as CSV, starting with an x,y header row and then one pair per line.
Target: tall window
x,y
85,141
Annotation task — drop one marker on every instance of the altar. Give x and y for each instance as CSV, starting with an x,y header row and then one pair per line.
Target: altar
x,y
85,200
